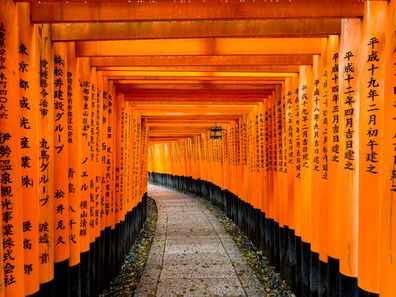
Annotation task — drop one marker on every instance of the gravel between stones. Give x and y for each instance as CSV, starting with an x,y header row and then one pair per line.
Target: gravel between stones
x,y
127,281
265,273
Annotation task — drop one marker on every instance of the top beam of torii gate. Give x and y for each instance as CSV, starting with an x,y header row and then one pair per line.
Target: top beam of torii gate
x,y
141,10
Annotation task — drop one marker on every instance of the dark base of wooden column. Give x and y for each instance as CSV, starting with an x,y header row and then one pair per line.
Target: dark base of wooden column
x,y
293,258
101,263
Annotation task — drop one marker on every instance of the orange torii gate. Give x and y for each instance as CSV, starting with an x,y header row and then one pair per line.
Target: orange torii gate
x,y
64,223
325,131
93,95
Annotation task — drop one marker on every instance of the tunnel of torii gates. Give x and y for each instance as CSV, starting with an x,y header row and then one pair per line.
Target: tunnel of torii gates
x,y
93,95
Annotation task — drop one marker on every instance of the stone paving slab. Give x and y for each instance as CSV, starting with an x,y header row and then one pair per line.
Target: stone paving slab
x,y
200,287
198,271
192,239
201,258
191,254
194,248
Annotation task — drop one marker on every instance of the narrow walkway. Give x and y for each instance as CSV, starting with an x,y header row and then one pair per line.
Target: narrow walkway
x,y
191,254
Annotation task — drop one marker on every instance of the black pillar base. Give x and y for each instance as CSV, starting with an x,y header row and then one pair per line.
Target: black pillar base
x,y
298,265
101,263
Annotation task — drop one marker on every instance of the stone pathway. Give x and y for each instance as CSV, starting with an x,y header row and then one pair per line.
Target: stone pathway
x,y
191,254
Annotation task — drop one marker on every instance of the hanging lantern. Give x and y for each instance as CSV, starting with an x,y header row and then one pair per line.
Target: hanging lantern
x,y
216,132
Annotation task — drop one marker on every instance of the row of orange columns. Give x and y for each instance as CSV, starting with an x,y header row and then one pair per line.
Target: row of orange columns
x,y
319,156
72,154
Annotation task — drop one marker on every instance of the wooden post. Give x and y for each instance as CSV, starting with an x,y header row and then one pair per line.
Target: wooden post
x,y
28,102
349,153
289,157
371,127
388,247
297,153
61,164
85,87
333,162
46,158
12,273
73,139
